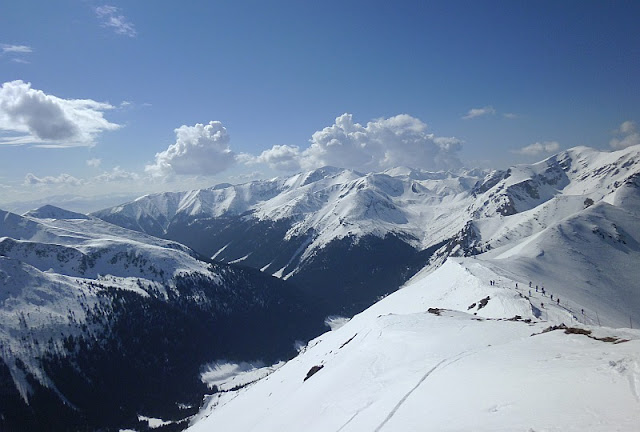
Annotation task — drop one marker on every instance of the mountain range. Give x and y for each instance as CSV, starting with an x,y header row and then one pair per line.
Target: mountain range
x,y
137,299
348,238
99,324
530,323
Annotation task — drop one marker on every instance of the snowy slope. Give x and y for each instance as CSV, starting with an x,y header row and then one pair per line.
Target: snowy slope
x,y
570,224
580,171
86,303
397,366
373,231
591,257
317,208
585,246
78,245
49,261
453,351
331,203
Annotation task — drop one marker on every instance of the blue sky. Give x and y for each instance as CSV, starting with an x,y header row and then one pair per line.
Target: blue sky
x,y
99,98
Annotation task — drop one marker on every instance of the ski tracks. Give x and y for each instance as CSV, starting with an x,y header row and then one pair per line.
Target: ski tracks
x,y
630,369
442,364
354,416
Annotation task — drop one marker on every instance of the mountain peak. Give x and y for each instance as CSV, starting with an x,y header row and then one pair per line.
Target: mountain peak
x,y
52,212
320,173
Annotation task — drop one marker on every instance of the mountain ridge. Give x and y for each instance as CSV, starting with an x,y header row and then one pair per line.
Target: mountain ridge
x,y
308,220
84,302
475,245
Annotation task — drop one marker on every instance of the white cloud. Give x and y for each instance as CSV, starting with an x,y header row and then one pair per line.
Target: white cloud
x,y
63,179
381,144
281,157
510,115
94,162
246,177
627,136
33,117
115,175
478,112
112,18
539,148
15,53
198,150
15,49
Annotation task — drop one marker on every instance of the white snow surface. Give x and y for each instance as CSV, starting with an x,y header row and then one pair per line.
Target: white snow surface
x,y
330,202
397,367
570,225
54,263
423,208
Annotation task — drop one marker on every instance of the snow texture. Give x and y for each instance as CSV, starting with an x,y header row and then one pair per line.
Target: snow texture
x,y
52,265
528,328
424,359
422,208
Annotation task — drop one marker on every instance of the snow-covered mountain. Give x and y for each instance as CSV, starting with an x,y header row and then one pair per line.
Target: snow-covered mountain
x,y
373,231
451,351
323,205
521,321
100,324
77,203
79,292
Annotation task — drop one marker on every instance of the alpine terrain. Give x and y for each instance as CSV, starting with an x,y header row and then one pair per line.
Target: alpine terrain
x,y
472,300
348,238
102,327
530,323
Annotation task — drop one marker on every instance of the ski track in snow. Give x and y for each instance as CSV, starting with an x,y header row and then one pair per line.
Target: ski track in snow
x,y
354,416
439,366
406,396
396,316
533,222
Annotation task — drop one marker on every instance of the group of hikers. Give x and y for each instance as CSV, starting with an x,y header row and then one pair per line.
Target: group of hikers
x,y
542,290
539,289
544,293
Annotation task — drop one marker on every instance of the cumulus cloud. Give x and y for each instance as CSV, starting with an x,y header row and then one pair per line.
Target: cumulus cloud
x,y
479,112
63,179
33,117
112,18
376,146
538,148
380,144
626,136
281,157
94,162
198,150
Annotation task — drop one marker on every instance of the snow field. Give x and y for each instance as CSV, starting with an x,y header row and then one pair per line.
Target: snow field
x,y
398,367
